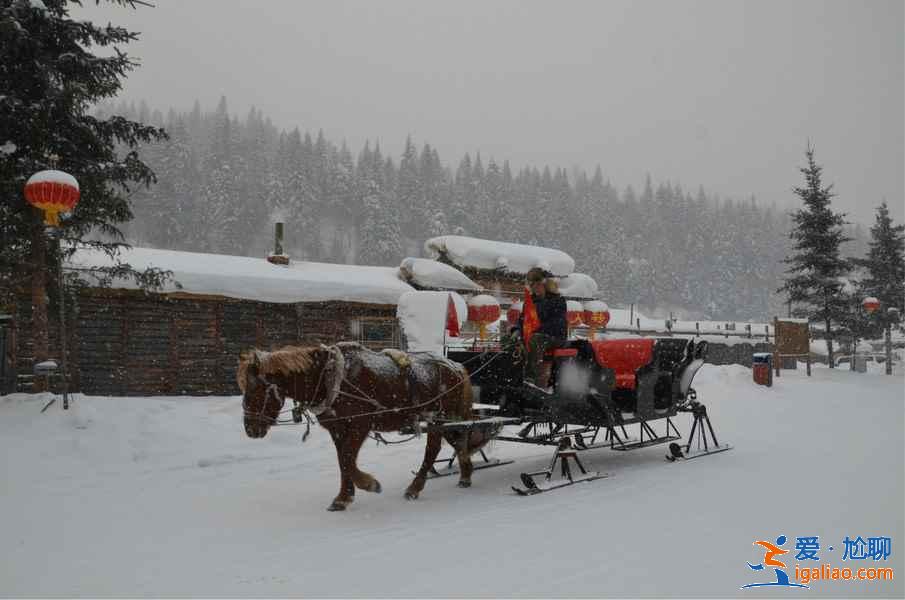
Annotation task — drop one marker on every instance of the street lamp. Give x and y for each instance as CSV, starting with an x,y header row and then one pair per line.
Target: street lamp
x,y
55,192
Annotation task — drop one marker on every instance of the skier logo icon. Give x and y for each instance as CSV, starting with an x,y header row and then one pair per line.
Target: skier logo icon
x,y
772,551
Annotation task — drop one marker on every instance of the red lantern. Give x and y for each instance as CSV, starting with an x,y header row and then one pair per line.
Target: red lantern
x,y
574,313
483,310
870,304
514,312
53,192
596,314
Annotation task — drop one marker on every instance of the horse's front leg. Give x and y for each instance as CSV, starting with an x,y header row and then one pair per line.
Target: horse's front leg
x,y
431,450
347,445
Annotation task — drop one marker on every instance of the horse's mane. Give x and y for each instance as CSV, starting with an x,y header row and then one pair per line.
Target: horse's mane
x,y
285,361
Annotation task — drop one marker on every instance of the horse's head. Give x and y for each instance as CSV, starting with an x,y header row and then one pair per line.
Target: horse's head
x,y
266,378
262,396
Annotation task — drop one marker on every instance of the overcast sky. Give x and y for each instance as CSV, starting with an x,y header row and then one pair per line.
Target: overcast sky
x,y
720,93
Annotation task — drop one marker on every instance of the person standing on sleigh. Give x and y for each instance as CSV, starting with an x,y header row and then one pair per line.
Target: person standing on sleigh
x,y
542,325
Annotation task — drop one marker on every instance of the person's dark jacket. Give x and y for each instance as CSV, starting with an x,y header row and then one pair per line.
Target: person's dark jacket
x,y
551,310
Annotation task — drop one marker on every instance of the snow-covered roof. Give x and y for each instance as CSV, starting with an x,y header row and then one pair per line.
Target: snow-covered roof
x,y
507,257
256,279
428,273
578,285
422,317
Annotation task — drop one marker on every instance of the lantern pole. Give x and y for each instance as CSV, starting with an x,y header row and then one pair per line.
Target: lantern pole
x,y
57,232
862,313
892,316
53,192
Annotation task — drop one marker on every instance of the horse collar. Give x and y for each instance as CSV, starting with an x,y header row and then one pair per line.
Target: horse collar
x,y
333,374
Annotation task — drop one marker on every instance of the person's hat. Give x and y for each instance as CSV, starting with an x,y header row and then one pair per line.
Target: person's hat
x,y
535,275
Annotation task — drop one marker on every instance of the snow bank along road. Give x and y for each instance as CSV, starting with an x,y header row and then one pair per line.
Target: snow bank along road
x,y
166,496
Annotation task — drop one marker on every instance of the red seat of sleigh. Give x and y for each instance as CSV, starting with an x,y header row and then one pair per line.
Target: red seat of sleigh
x,y
625,357
561,353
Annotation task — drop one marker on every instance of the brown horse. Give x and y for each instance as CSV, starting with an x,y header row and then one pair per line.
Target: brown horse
x,y
353,391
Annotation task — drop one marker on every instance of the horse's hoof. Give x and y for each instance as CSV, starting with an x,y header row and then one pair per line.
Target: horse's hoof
x,y
464,484
411,495
376,488
337,506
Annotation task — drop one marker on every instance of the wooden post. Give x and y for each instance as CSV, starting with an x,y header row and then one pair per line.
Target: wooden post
x,y
888,347
173,353
61,284
776,356
808,359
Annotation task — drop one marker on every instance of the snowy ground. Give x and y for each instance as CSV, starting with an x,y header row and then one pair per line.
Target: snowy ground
x,y
166,496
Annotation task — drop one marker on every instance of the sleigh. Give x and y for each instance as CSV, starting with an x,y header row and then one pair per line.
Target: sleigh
x,y
597,392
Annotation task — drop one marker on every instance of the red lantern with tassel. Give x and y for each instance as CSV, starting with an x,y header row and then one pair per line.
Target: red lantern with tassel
x,y
870,304
514,312
483,309
596,314
574,313
53,192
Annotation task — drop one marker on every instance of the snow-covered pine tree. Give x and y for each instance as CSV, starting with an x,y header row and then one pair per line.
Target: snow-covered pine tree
x,y
480,215
546,209
343,203
165,213
49,80
222,208
409,190
815,269
431,212
462,199
884,266
377,236
563,226
499,220
254,148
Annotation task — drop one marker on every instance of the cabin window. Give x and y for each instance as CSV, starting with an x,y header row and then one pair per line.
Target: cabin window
x,y
378,333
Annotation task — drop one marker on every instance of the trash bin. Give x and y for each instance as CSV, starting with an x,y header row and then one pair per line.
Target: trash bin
x,y
762,368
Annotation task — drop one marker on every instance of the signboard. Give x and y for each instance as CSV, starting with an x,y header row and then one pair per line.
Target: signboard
x,y
792,337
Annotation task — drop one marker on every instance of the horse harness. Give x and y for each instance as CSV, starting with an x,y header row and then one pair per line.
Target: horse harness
x,y
337,369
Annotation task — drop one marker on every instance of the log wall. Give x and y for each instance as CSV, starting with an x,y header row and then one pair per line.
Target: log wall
x,y
129,343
